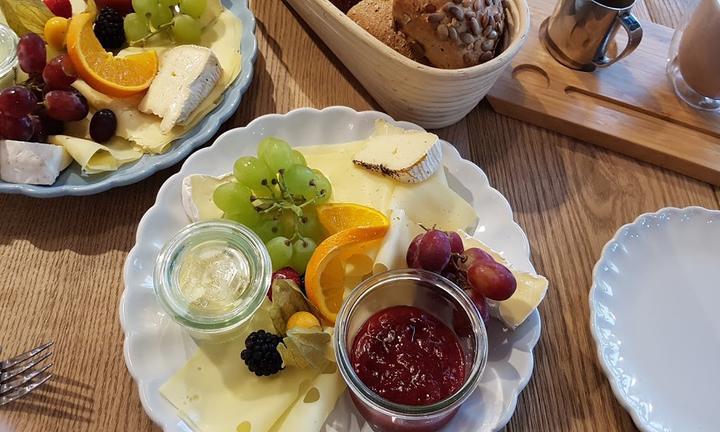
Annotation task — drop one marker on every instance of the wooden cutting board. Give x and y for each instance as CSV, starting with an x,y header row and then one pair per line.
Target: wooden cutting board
x,y
629,107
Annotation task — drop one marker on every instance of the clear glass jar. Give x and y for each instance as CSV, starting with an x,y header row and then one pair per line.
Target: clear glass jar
x,y
693,65
212,276
431,293
8,56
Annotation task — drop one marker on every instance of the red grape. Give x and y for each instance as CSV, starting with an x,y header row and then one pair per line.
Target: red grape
x,y
16,128
66,105
31,54
59,73
17,101
456,243
103,125
50,125
412,253
39,133
474,255
480,303
434,250
492,279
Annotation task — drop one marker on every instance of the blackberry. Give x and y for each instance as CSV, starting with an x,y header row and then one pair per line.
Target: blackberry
x,y
109,28
261,355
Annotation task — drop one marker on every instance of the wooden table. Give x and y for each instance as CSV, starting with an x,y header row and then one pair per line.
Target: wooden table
x,y
61,260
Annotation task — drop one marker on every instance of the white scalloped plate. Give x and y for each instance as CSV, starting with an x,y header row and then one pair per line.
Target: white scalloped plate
x,y
155,347
654,317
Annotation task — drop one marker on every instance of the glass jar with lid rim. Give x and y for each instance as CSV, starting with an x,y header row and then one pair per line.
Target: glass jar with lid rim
x,y
212,276
8,56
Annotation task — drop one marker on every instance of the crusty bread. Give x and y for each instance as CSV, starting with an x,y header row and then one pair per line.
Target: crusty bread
x,y
452,34
375,16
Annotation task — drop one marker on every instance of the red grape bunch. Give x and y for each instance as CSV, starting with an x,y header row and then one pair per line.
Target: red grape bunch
x,y
473,269
37,108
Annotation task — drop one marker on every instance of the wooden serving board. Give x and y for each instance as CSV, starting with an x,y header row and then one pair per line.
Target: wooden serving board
x,y
629,107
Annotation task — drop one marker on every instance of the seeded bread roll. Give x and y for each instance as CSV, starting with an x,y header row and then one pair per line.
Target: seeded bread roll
x,y
375,16
452,34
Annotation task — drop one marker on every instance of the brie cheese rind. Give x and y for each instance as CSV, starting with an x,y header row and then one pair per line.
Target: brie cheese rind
x,y
31,163
187,74
95,158
197,196
408,157
215,392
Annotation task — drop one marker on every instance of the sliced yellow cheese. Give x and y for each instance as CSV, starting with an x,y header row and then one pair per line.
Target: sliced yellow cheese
x,y
531,289
215,392
95,158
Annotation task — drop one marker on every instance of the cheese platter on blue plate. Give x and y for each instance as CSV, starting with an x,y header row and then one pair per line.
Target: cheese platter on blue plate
x,y
113,92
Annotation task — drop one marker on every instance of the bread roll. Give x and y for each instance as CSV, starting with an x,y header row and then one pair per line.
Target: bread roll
x,y
452,34
375,16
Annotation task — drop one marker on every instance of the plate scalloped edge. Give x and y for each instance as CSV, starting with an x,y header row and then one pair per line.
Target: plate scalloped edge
x,y
511,232
183,146
602,342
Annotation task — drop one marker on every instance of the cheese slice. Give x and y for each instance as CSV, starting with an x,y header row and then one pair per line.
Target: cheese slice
x,y
197,196
95,158
530,292
31,163
408,157
186,76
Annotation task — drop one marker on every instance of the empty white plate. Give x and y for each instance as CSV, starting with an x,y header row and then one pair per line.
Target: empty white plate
x,y
654,308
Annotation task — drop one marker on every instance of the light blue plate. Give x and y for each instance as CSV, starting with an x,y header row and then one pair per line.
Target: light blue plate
x,y
72,182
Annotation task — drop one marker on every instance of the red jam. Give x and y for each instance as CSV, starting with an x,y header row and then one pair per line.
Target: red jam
x,y
407,356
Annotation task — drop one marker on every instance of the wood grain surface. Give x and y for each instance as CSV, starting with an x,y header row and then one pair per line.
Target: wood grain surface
x,y
61,260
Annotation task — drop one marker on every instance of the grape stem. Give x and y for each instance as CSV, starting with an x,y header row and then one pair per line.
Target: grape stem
x,y
158,30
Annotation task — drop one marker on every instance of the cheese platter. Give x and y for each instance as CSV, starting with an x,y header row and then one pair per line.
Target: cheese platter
x,y
130,95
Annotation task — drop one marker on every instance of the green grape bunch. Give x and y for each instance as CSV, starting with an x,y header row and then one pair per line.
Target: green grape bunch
x,y
151,17
275,195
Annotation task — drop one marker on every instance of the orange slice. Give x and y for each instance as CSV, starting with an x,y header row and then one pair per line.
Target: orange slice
x,y
325,274
113,76
337,217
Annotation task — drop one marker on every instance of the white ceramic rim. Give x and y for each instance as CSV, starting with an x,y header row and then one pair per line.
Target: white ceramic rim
x,y
611,375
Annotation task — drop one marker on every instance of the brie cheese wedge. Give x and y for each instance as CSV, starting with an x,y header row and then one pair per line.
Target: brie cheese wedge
x,y
411,157
187,75
197,196
31,163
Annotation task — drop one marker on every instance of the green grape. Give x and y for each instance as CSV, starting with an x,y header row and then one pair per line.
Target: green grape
x,y
287,221
251,171
310,225
298,179
145,8
298,158
268,230
169,3
162,15
323,186
249,218
233,198
276,153
302,251
194,8
281,252
136,27
186,29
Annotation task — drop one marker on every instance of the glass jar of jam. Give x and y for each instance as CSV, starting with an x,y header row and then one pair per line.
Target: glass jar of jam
x,y
212,276
411,347
8,56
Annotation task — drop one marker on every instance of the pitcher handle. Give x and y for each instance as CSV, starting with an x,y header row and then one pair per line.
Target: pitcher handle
x,y
634,31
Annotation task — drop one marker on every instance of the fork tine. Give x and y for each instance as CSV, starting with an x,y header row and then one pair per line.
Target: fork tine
x,y
22,379
22,391
12,373
7,364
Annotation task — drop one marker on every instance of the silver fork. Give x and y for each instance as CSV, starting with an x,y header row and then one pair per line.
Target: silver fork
x,y
17,376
